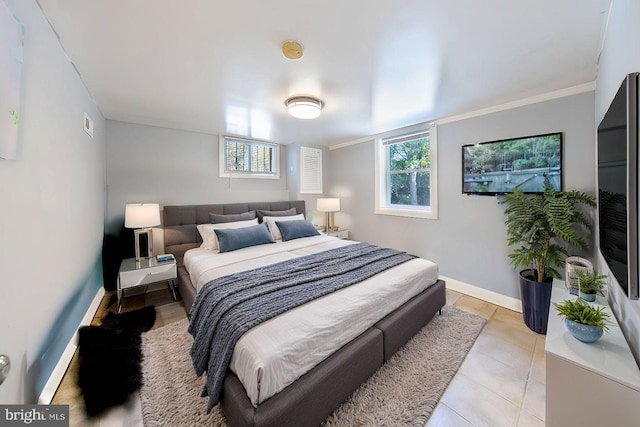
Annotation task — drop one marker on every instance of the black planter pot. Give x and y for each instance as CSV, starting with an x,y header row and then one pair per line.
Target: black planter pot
x,y
536,298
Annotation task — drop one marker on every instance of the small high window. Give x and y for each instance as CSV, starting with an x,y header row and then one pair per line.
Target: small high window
x,y
246,158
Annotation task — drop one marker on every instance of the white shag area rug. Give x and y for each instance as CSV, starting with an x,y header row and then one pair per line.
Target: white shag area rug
x,y
404,391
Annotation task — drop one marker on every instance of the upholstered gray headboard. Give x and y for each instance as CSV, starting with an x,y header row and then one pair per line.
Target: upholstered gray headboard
x,y
181,234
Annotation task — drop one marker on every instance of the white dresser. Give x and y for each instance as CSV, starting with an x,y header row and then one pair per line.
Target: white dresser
x,y
596,384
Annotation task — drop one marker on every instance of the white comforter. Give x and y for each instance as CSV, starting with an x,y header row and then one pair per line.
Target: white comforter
x,y
274,354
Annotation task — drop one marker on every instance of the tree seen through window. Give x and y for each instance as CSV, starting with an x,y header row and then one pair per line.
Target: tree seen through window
x,y
248,156
409,172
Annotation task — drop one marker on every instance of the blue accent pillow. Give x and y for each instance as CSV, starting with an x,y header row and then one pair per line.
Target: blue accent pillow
x,y
296,229
231,239
219,218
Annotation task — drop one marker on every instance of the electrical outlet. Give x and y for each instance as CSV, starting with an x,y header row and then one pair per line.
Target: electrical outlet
x,y
88,125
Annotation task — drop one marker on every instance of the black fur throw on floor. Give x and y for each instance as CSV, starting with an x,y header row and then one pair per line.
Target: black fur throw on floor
x,y
137,320
110,358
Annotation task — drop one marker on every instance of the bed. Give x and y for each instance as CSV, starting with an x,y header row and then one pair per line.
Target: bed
x,y
310,398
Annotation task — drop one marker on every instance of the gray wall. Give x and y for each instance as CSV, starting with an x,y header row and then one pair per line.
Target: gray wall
x,y
52,202
468,241
620,56
147,164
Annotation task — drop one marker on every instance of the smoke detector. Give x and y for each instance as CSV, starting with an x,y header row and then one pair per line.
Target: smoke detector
x,y
292,50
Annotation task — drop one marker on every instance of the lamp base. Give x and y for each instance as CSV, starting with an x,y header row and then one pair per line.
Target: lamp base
x,y
329,222
332,222
143,239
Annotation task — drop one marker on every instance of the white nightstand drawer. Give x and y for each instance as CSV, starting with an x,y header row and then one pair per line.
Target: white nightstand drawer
x,y
144,271
158,273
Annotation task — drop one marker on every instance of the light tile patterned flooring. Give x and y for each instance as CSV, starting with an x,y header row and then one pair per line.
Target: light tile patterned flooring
x,y
500,383
502,380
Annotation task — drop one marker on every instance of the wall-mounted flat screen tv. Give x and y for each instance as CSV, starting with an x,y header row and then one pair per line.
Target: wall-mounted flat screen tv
x,y
618,186
497,167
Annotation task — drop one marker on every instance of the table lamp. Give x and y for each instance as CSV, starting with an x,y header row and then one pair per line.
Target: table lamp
x,y
142,217
329,206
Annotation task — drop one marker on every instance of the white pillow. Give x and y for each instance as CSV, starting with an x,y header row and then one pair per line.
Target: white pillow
x,y
209,238
273,228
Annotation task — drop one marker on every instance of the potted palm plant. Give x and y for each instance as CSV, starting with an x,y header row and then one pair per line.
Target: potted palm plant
x,y
585,322
590,284
542,226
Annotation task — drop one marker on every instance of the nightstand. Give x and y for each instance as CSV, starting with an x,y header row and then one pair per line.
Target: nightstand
x,y
340,234
134,273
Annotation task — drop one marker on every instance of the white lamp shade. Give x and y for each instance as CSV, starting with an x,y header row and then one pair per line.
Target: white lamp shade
x,y
142,215
328,205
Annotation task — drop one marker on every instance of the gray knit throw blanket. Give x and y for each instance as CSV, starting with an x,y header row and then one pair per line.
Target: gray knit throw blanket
x,y
227,307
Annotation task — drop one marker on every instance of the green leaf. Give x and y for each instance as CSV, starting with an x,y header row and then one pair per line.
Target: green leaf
x,y
534,222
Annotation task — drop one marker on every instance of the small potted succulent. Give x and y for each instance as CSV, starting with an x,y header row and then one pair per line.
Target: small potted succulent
x,y
590,284
585,322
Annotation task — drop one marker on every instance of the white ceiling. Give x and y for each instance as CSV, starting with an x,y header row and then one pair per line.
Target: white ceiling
x,y
217,66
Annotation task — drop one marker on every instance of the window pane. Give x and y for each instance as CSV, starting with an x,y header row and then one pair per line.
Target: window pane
x,y
246,158
237,156
408,180
410,155
409,188
261,158
249,157
405,173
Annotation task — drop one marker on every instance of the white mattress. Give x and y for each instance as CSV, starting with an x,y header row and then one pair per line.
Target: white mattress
x,y
274,354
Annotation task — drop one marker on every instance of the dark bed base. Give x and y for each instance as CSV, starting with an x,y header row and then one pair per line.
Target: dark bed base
x,y
315,395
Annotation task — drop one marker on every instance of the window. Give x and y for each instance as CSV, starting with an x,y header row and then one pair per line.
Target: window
x,y
406,178
247,158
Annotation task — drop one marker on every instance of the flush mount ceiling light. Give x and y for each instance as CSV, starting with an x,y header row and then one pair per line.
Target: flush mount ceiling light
x,y
304,107
292,50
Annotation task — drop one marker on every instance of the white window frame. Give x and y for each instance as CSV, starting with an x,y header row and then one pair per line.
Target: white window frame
x,y
383,205
222,157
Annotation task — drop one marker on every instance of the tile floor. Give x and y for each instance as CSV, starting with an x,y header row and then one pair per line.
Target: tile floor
x,y
500,383
502,380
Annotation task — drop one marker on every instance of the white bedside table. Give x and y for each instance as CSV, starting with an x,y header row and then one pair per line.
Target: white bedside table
x,y
140,273
340,234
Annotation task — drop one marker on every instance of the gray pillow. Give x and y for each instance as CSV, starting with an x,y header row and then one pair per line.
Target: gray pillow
x,y
231,239
219,218
296,229
286,212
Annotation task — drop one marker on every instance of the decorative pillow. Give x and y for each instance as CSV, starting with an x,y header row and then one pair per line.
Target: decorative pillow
x,y
271,222
286,212
296,229
219,218
238,238
209,238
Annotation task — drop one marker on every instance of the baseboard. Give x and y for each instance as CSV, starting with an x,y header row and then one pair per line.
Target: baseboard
x,y
61,367
483,294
